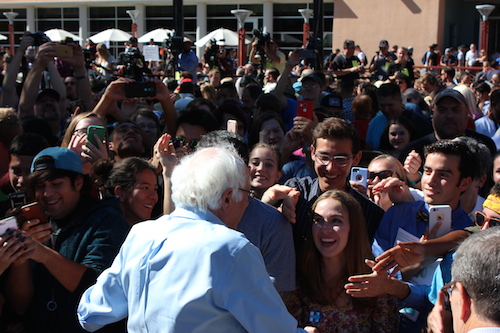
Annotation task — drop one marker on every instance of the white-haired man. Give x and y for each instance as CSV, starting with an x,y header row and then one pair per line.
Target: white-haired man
x,y
473,292
189,271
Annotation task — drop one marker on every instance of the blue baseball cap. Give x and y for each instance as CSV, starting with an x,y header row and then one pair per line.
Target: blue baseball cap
x,y
57,158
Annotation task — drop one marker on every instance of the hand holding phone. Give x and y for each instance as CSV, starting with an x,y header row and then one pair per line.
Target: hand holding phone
x,y
359,175
442,214
9,223
34,211
100,131
305,109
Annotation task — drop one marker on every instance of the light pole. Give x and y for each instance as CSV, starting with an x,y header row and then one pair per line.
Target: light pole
x,y
11,16
241,15
134,14
306,28
485,11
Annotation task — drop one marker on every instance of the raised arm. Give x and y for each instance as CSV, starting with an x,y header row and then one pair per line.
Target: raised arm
x,y
9,94
83,89
57,84
46,54
293,60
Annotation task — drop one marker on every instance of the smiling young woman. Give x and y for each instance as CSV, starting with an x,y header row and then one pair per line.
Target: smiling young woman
x,y
336,247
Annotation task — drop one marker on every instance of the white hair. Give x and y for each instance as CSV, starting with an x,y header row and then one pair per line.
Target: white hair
x,y
200,179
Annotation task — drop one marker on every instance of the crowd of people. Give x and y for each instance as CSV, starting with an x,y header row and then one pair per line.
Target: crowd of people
x,y
233,198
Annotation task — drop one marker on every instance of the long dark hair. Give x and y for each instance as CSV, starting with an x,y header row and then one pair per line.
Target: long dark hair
x,y
310,263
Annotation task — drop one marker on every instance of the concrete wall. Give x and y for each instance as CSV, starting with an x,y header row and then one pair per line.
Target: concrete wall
x,y
417,23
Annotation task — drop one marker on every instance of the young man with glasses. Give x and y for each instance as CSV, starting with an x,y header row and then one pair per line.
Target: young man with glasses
x,y
335,149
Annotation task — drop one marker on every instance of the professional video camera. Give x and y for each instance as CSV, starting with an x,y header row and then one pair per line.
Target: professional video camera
x,y
262,38
211,54
174,45
133,61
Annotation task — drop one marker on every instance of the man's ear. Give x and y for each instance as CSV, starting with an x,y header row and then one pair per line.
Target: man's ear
x,y
78,182
356,158
464,303
120,193
110,145
226,200
464,184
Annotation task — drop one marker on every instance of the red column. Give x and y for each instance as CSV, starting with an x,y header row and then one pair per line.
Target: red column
x,y
242,52
305,29
134,30
485,31
11,39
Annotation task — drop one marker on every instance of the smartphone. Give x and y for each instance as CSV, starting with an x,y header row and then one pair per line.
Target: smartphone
x,y
440,213
34,211
305,109
232,126
8,223
17,199
140,89
64,51
360,175
99,130
75,104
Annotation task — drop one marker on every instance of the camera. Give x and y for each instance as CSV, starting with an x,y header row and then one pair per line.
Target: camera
x,y
134,64
140,89
262,39
39,38
174,44
211,53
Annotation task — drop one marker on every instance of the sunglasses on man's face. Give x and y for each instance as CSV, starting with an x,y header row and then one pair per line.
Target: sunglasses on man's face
x,y
481,219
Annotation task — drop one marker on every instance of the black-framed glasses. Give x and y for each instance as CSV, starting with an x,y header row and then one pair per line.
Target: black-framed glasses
x,y
381,175
251,194
338,160
447,289
481,219
182,142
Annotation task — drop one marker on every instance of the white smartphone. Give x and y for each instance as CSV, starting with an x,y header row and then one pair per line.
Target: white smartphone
x,y
440,213
8,223
232,125
359,175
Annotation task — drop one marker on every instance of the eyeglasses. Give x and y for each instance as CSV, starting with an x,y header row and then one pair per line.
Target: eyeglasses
x,y
381,175
181,142
251,194
447,289
307,85
481,219
80,131
338,160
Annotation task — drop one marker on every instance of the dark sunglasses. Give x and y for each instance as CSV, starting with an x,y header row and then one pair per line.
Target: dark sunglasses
x,y
481,219
381,175
181,142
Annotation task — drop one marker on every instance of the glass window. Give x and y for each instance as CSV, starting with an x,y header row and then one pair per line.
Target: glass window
x,y
101,12
48,13
71,13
